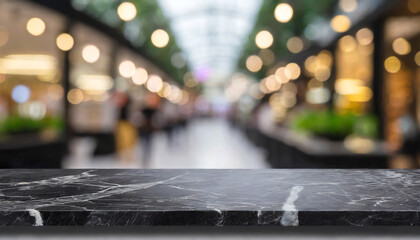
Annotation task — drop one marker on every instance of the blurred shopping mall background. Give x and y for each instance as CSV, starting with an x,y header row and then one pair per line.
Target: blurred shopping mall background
x,y
209,84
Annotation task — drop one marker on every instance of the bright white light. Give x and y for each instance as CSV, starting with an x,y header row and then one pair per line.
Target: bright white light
x,y
127,69
283,12
35,26
140,76
154,84
91,53
127,11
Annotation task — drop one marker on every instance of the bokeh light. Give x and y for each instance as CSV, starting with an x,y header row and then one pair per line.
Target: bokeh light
x,y
75,96
35,26
202,74
127,69
348,5
417,58
347,44
254,63
91,53
166,90
283,12
295,44
65,42
322,73
401,46
281,76
340,23
21,93
392,64
127,11
292,71
154,84
140,76
94,84
364,36
160,38
318,95
264,39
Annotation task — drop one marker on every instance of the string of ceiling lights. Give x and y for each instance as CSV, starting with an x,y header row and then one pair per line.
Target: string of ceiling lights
x,y
91,54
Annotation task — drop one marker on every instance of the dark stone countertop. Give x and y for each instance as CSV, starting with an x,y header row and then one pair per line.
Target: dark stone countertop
x,y
209,197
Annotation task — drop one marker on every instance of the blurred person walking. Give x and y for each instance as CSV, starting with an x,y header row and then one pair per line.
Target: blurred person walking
x,y
148,125
125,132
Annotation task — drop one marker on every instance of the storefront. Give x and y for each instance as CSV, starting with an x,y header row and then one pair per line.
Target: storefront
x,y
58,78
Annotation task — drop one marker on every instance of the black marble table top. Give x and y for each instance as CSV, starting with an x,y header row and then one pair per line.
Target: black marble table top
x,y
209,197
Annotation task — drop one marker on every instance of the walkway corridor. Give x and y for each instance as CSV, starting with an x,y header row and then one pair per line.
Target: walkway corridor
x,y
205,143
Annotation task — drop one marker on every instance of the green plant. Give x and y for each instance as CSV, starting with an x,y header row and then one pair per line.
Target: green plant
x,y
335,126
17,124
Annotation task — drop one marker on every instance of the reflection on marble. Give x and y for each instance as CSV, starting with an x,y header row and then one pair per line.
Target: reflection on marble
x,y
209,197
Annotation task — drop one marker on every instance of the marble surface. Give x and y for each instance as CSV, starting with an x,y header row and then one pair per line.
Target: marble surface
x,y
209,197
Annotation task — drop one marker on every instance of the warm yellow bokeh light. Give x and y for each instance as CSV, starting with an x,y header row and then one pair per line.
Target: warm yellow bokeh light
x,y
160,38
264,39
65,42
401,46
35,26
348,5
347,44
127,68
272,84
292,71
295,44
91,53
127,11
417,58
363,94
340,23
97,84
283,12
325,58
254,63
154,84
75,96
166,90
322,73
392,64
348,86
176,95
140,76
364,36
281,76
311,64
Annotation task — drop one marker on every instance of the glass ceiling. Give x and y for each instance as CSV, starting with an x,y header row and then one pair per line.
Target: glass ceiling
x,y
211,33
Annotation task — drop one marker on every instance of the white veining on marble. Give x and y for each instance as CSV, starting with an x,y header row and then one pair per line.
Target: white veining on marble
x,y
37,215
105,192
290,215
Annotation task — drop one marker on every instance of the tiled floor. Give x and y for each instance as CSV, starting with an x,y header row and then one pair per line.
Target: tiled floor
x,y
206,143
